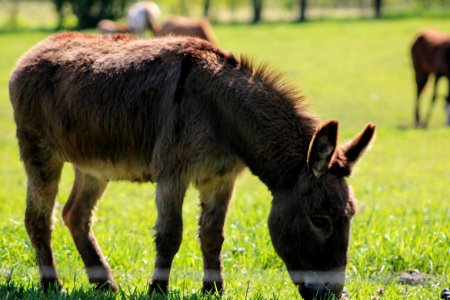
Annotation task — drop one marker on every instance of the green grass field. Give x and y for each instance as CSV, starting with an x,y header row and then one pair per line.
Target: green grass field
x,y
355,71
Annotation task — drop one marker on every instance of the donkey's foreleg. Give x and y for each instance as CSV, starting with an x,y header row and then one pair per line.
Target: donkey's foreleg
x,y
169,227
43,175
214,196
77,215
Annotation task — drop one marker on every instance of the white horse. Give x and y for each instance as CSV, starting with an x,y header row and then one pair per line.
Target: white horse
x,y
143,15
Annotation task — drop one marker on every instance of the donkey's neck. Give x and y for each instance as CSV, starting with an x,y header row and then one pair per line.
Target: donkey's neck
x,y
265,128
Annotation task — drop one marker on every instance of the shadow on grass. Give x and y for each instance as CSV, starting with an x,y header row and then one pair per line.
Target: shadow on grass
x,y
414,13
26,30
11,290
433,13
21,29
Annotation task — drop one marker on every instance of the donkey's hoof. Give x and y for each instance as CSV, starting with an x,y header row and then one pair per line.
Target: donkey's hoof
x,y
49,285
158,288
108,285
212,287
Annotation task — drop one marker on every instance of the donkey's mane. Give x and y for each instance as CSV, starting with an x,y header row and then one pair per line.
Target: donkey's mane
x,y
272,112
274,78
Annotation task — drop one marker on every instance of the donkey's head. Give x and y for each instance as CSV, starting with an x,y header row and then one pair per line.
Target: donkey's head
x,y
310,223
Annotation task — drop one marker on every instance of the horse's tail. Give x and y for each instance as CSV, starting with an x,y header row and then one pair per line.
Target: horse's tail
x,y
418,54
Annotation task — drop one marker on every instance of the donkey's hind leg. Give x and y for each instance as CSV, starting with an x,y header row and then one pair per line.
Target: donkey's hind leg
x,y
77,215
43,173
169,229
214,197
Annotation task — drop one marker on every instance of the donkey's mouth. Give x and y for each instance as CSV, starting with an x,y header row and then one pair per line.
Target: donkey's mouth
x,y
321,291
319,284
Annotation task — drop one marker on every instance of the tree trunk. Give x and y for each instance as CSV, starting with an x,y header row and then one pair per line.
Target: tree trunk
x,y
90,12
377,6
257,10
184,11
13,14
59,5
303,6
206,6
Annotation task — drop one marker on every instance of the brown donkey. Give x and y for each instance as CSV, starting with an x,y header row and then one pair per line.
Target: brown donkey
x,y
176,111
430,56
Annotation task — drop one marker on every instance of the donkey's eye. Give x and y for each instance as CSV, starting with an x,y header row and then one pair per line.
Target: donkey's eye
x,y
322,222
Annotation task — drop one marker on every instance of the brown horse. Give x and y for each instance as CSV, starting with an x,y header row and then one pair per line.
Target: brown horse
x,y
430,56
176,111
143,16
183,26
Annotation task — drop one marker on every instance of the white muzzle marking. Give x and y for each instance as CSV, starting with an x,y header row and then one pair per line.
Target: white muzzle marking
x,y
318,277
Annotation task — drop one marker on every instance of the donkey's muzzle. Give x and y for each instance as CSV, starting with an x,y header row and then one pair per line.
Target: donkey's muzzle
x,y
319,285
310,291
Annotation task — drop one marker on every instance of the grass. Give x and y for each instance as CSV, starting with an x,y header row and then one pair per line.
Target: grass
x,y
355,71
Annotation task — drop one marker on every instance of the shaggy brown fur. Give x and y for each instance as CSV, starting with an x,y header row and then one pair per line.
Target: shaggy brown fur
x,y
430,56
175,111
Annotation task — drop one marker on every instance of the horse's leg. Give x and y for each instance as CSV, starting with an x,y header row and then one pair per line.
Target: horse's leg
x,y
77,215
447,102
433,100
43,171
214,196
421,81
169,229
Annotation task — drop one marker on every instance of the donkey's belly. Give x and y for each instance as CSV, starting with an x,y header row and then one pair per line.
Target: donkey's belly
x,y
117,171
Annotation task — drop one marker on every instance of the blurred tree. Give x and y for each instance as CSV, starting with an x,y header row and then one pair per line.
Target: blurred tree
x,y
14,13
59,5
206,6
183,8
90,12
303,5
257,10
377,5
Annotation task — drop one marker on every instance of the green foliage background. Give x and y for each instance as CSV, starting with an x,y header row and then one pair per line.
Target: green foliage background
x,y
13,13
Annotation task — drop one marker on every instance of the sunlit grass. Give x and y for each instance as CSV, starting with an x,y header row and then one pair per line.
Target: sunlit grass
x,y
354,71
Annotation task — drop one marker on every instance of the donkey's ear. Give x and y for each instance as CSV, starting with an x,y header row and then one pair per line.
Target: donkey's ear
x,y
353,150
322,147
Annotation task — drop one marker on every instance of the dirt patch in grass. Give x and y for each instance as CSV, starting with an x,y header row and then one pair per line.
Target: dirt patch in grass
x,y
413,277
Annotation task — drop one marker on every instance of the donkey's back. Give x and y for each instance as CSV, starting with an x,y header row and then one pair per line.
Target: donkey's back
x,y
103,103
